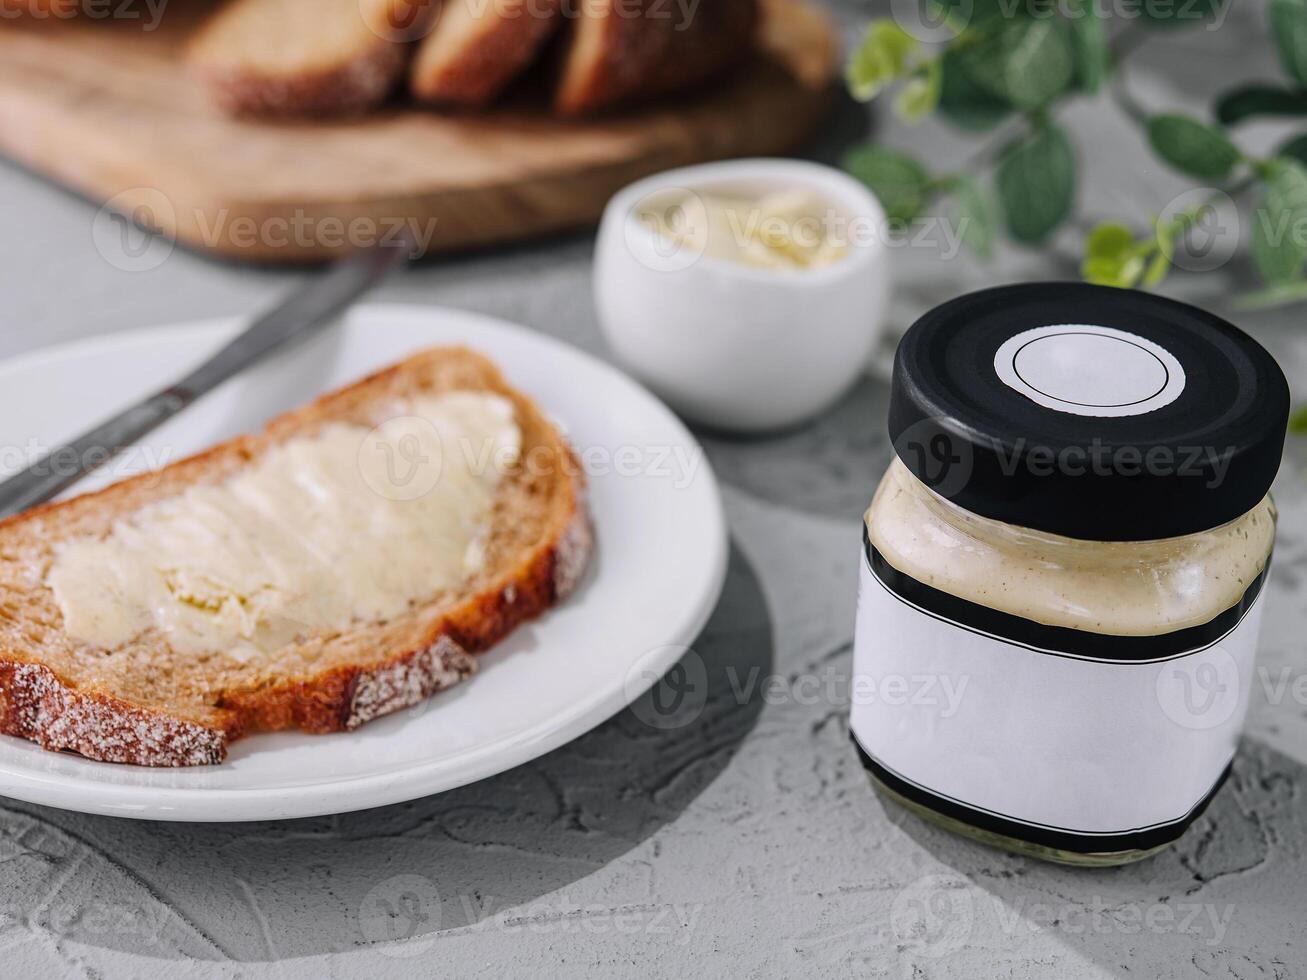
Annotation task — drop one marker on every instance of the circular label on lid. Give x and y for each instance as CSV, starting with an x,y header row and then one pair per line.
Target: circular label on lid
x,y
1084,369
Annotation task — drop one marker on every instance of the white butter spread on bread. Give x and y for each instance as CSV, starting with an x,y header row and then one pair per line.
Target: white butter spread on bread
x,y
347,524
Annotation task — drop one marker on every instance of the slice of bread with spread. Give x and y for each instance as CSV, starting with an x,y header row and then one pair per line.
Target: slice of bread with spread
x,y
478,47
620,52
306,57
342,564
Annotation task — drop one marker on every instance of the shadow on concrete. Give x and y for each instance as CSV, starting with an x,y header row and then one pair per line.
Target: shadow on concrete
x,y
828,467
1227,900
268,891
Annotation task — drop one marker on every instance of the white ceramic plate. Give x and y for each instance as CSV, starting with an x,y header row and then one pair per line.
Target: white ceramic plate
x,y
658,569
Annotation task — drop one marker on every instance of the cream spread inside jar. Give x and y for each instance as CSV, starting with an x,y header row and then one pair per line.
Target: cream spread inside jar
x,y
1073,543
791,228
1123,588
350,524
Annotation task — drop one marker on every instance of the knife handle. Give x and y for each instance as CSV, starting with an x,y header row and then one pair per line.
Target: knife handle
x,y
56,472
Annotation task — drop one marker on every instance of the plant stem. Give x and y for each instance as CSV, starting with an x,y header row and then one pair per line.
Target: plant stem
x,y
1128,41
1126,102
1265,299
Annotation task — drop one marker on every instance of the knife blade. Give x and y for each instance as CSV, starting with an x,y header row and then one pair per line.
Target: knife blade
x,y
296,318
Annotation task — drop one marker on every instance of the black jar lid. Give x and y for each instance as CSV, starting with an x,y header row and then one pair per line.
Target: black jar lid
x,y
1088,411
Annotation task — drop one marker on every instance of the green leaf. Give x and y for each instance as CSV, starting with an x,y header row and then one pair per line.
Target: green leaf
x,y
1260,100
964,103
1027,63
1110,240
918,98
1192,147
1111,256
1289,28
972,13
972,215
900,183
1089,48
1036,184
1123,275
1168,14
1040,65
1298,420
880,59
1294,149
1280,223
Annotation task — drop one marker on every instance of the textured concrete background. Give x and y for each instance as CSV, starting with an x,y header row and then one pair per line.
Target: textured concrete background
x,y
745,842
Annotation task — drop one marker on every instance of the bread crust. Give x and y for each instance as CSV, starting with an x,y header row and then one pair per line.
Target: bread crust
x,y
346,89
509,35
342,84
39,704
619,53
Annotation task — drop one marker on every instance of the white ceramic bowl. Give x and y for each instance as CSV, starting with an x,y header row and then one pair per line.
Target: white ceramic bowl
x,y
732,345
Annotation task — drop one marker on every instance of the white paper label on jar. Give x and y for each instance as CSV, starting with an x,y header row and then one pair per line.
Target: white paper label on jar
x,y
1084,369
1073,740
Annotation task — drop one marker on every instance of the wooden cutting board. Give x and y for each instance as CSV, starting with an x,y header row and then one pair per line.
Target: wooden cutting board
x,y
108,109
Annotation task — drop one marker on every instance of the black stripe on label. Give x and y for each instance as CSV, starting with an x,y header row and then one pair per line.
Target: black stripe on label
x,y
1058,838
1062,641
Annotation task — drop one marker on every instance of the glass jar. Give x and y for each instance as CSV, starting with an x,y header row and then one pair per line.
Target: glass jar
x,y
1062,568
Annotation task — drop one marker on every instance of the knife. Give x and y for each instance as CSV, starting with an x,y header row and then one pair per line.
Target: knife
x,y
296,318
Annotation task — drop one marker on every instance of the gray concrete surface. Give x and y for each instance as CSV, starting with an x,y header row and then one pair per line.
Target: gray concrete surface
x,y
747,842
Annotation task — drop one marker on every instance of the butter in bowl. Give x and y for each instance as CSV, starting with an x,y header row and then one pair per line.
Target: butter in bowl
x,y
748,294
